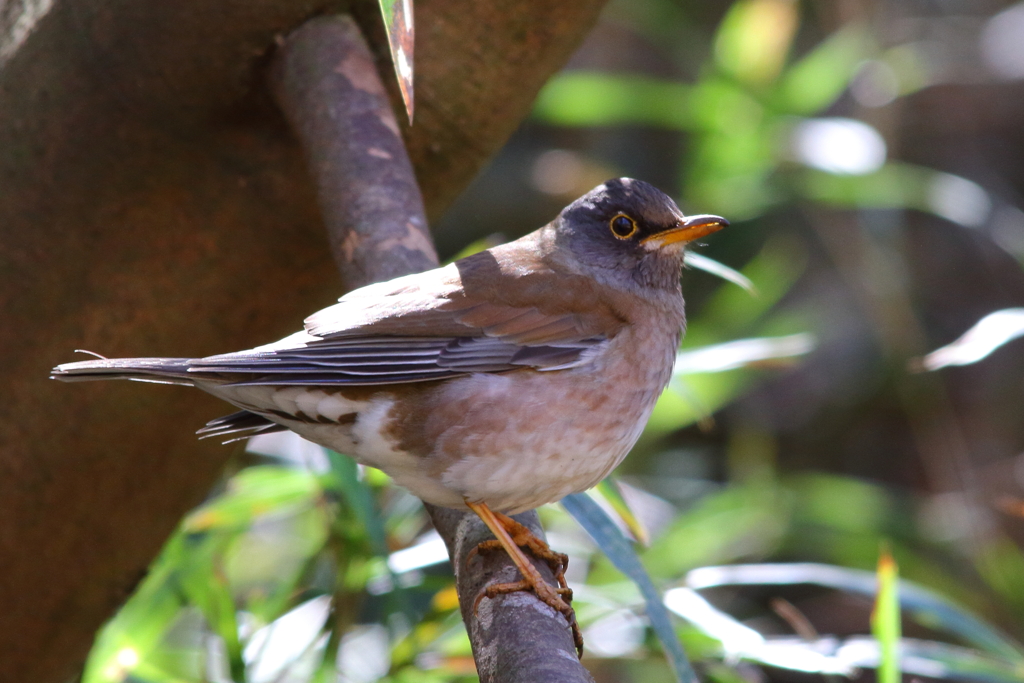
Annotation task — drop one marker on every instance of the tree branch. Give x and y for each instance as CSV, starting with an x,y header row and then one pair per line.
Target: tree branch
x,y
325,80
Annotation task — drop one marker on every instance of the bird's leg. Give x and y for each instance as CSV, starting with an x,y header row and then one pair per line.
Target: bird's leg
x,y
524,538
532,580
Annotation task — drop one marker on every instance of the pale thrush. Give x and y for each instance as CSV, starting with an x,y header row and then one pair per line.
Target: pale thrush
x,y
501,382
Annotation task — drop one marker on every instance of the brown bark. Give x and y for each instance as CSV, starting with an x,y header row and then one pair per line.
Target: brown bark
x,y
325,81
153,203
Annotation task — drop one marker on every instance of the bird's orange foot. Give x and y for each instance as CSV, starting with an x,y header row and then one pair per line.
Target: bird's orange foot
x,y
524,538
513,537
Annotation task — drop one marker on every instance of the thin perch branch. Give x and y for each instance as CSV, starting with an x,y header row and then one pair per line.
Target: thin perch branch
x,y
325,80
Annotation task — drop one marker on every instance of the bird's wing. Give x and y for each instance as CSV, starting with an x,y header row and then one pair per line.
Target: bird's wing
x,y
452,321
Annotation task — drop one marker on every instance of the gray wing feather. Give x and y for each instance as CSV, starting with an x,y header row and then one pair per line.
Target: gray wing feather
x,y
385,360
238,426
419,328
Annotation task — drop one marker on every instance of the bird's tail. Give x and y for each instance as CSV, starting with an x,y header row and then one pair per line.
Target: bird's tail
x,y
159,370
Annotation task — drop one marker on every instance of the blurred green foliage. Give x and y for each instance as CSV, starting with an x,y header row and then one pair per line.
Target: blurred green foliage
x,y
885,620
283,575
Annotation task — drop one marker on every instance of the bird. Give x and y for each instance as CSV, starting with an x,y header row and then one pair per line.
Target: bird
x,y
500,382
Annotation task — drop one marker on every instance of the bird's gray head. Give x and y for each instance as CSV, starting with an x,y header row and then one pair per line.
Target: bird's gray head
x,y
627,233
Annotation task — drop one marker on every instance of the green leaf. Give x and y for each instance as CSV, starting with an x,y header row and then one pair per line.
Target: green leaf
x,y
359,498
817,80
897,186
398,21
609,490
847,504
620,552
1001,562
254,492
594,99
927,658
754,39
739,641
885,619
708,265
910,66
919,603
894,186
739,521
694,399
741,353
476,246
136,631
930,659
732,312
357,495
205,585
983,338
266,563
720,105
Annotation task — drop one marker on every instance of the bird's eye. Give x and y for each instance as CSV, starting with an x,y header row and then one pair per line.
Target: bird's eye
x,y
623,226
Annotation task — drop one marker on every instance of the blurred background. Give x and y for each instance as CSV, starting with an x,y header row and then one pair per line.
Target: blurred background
x,y
858,393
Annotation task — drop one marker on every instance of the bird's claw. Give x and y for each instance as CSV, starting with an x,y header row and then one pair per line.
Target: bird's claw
x,y
514,538
559,599
557,562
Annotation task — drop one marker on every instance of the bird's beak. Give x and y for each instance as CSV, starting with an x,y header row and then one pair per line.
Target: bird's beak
x,y
687,230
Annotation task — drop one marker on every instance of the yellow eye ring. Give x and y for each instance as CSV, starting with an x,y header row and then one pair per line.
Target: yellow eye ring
x,y
622,226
